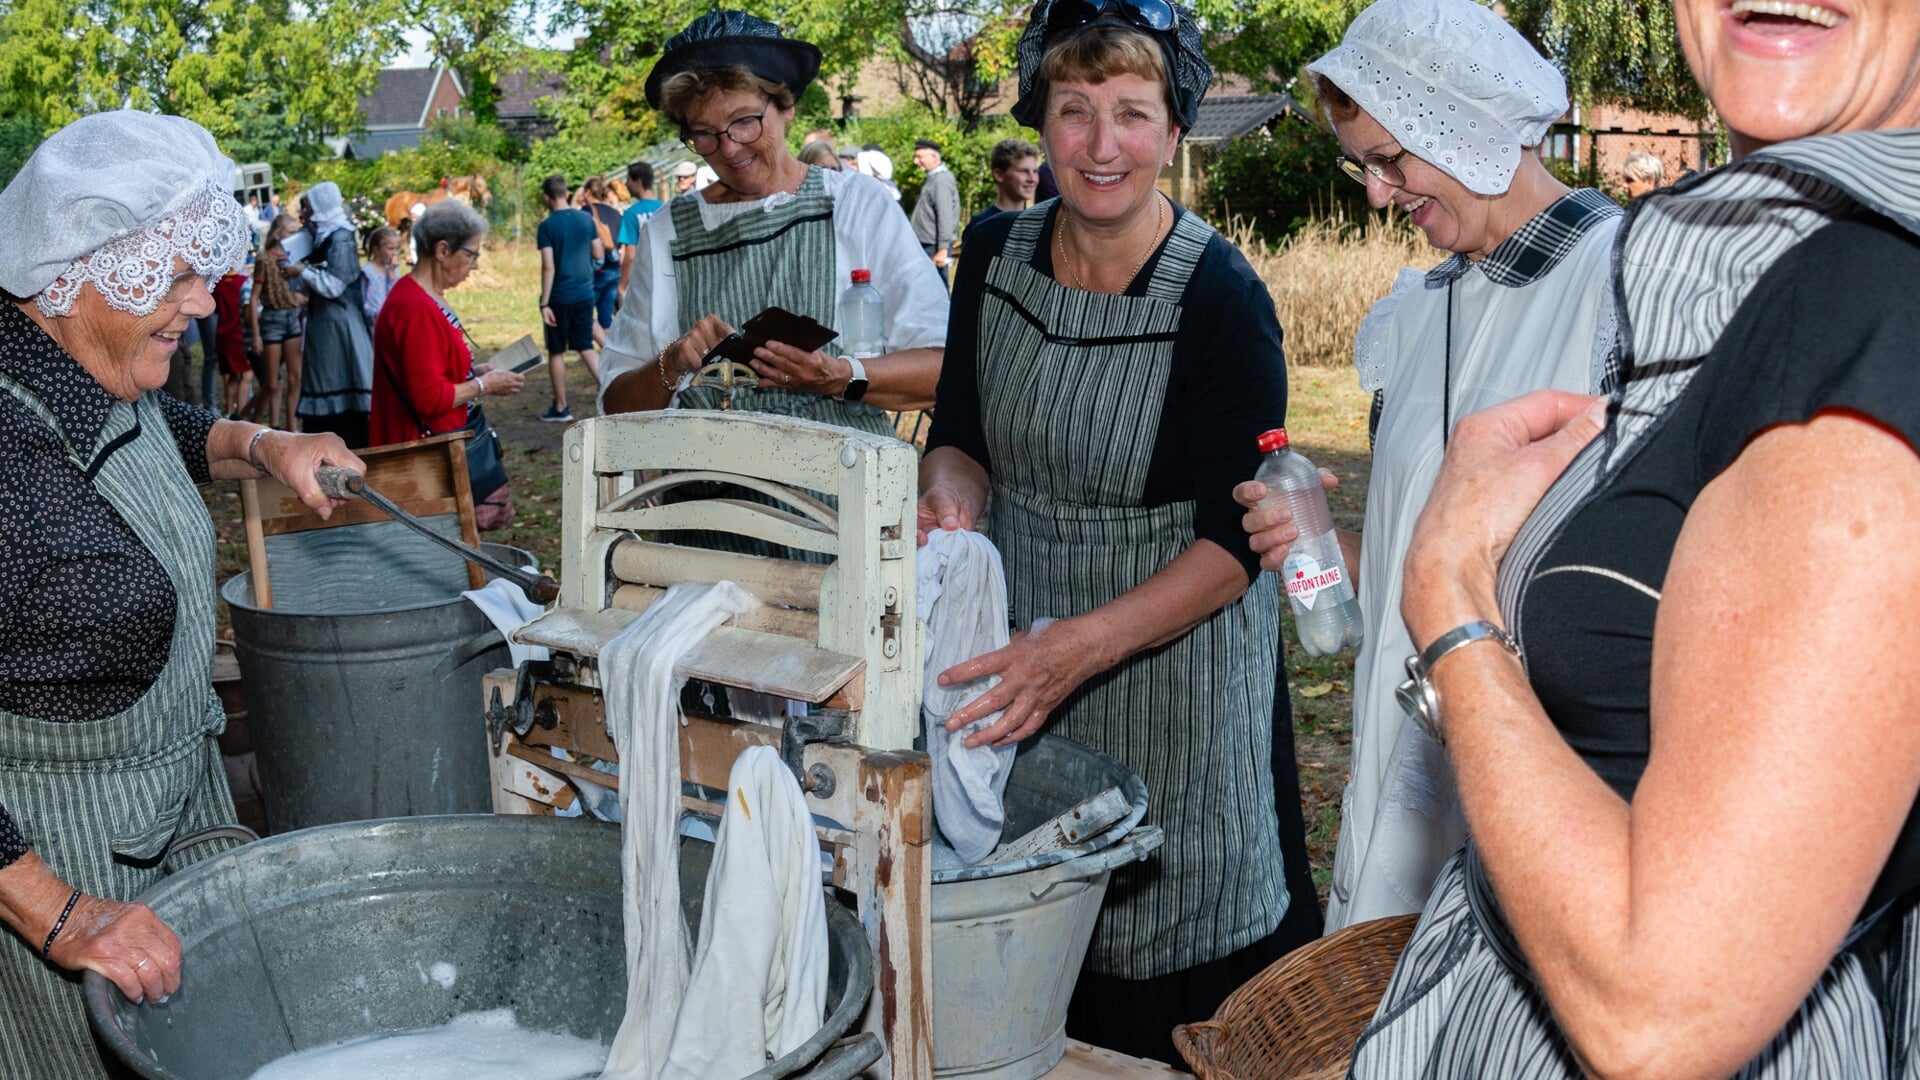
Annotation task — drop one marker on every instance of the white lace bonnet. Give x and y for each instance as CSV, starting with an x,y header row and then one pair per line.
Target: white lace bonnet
x,y
112,199
1452,82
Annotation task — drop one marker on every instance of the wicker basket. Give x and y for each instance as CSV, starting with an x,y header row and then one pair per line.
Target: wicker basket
x,y
1301,1016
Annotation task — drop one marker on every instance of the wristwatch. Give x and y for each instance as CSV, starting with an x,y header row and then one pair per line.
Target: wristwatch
x,y
857,384
1418,697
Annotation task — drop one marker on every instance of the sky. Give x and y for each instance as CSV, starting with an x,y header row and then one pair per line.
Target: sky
x,y
418,56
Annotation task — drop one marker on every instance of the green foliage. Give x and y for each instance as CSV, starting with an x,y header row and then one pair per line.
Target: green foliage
x,y
593,148
1270,41
1623,51
479,40
1279,182
18,137
253,71
1580,174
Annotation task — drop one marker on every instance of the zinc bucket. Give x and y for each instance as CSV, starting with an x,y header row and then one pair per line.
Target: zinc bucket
x,y
1008,939
366,928
363,679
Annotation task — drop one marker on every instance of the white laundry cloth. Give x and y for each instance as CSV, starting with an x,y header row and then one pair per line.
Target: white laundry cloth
x,y
962,598
507,607
643,713
759,984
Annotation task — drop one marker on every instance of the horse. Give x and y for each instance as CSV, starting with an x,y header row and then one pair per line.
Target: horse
x,y
399,207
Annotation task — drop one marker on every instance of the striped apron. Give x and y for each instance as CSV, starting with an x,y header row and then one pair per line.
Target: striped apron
x,y
1072,385
781,258
100,801
1463,1001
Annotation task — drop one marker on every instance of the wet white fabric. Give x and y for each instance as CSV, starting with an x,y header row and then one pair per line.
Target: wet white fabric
x,y
113,199
759,983
1453,82
643,714
506,606
961,594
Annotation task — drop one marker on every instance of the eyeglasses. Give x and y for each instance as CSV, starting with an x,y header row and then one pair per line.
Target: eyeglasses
x,y
471,254
1382,167
1073,14
742,131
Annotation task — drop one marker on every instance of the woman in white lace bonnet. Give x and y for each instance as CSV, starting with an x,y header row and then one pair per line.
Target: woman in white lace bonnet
x,y
111,235
1438,105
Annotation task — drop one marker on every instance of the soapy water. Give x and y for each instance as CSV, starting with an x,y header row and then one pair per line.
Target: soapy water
x,y
474,1046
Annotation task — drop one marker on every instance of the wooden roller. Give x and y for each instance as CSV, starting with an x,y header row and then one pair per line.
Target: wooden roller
x,y
780,582
788,622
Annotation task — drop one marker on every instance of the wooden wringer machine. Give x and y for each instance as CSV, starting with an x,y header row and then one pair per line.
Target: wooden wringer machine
x,y
842,639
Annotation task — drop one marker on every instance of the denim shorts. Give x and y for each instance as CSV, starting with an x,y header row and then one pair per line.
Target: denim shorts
x,y
279,324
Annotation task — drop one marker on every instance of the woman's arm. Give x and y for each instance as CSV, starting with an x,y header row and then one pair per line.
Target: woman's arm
x,y
897,382
1038,671
235,447
253,316
126,943
1675,935
331,277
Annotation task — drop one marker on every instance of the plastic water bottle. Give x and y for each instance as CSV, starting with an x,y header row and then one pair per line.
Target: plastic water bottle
x,y
862,334
1326,612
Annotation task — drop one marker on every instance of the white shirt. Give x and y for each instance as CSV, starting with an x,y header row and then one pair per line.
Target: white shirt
x,y
869,233
1400,816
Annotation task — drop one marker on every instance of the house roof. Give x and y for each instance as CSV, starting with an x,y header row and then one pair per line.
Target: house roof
x,y
375,143
520,89
1231,116
402,96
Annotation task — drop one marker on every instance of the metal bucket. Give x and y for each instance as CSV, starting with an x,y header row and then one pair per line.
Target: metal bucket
x,y
1008,939
363,680
326,934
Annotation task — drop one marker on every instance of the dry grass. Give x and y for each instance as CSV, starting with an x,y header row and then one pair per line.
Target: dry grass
x,y
1325,278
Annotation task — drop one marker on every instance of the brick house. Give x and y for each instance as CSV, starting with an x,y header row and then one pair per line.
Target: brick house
x,y
403,103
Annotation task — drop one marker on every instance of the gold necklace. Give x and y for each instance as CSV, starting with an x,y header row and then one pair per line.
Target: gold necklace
x,y
1159,221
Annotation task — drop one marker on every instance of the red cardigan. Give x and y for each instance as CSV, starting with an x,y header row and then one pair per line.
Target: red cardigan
x,y
418,360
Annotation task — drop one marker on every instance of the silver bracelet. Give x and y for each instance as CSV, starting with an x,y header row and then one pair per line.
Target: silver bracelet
x,y
480,384
1418,697
254,443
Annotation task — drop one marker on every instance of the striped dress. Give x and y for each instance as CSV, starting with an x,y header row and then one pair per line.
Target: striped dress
x,y
1071,385
1463,1002
100,801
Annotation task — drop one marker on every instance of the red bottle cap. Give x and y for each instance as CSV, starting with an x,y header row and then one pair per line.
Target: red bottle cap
x,y
861,277
1269,441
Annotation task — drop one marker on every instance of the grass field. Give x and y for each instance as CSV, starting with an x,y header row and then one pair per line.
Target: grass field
x,y
1326,417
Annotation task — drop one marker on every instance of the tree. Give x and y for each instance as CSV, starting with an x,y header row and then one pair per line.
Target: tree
x,y
1270,42
241,69
1620,51
479,40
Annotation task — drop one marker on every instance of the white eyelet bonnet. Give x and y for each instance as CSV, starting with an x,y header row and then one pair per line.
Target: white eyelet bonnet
x,y
1452,82
112,199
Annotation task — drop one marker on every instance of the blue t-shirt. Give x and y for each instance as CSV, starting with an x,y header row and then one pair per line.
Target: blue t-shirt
x,y
636,216
570,233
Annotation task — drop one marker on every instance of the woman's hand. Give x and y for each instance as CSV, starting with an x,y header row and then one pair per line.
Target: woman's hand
x,y
1270,530
780,364
295,269
684,355
294,459
259,347
943,507
499,382
1499,463
1037,670
125,942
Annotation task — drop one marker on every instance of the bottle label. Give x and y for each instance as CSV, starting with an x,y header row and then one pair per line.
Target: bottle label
x,y
1306,579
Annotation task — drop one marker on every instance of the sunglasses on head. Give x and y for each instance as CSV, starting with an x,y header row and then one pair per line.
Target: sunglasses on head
x,y
1073,14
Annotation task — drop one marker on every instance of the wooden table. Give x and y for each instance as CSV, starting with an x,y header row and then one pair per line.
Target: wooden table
x,y
1083,1062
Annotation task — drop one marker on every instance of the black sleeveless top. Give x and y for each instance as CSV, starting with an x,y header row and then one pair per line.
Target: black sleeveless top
x,y
1834,324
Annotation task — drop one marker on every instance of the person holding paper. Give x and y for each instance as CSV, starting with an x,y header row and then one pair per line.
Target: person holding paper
x,y
425,380
773,232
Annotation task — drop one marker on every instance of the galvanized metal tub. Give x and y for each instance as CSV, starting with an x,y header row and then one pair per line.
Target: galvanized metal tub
x,y
363,679
1008,940
326,934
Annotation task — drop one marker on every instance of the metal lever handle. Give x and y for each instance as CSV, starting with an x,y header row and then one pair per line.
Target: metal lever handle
x,y
343,483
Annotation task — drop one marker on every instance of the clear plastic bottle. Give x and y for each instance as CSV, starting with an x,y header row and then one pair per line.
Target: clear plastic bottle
x,y
862,315
1326,612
